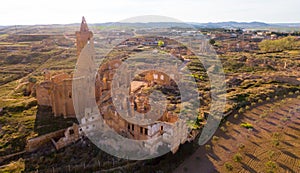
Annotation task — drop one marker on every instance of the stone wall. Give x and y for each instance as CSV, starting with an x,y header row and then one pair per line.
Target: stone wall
x,y
57,93
71,135
35,143
43,91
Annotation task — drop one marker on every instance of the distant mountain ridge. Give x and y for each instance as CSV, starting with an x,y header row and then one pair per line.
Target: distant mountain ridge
x,y
247,25
232,24
225,25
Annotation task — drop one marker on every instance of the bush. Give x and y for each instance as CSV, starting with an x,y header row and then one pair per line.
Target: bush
x,y
223,129
241,146
228,166
247,125
212,41
228,123
241,110
215,138
236,116
207,147
238,157
270,166
276,135
271,154
276,143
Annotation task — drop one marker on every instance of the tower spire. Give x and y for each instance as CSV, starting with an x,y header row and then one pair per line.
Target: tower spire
x,y
83,27
82,36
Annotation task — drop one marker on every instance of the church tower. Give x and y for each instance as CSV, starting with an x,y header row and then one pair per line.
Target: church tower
x,y
82,36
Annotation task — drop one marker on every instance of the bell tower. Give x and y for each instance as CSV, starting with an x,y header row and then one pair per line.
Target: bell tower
x,y
82,36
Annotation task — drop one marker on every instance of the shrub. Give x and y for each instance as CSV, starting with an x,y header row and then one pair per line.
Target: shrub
x,y
247,108
247,125
215,138
253,104
241,110
260,101
228,166
276,135
238,157
276,97
268,99
228,123
271,154
207,147
276,143
223,129
241,146
236,116
271,166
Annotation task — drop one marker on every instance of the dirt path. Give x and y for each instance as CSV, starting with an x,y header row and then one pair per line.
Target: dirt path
x,y
272,145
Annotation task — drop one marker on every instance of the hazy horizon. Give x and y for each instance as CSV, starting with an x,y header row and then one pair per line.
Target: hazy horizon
x,y
32,12
89,23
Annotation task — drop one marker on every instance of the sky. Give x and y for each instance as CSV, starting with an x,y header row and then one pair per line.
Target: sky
x,y
29,12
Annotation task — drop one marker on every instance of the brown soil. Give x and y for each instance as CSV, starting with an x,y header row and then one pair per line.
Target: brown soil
x,y
274,139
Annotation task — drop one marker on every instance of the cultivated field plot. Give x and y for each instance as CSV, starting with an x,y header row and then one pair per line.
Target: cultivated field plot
x,y
263,139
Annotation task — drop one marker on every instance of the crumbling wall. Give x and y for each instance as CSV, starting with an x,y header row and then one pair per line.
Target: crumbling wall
x,y
71,135
43,91
35,143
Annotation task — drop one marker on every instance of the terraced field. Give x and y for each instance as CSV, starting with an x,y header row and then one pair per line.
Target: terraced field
x,y
270,142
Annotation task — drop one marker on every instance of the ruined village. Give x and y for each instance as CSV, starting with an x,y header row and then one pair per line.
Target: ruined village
x,y
59,91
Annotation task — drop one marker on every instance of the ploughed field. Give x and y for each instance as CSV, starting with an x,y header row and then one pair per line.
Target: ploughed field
x,y
262,139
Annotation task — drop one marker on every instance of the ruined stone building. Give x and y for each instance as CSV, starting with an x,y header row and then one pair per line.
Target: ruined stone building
x,y
59,138
56,91
165,128
83,36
